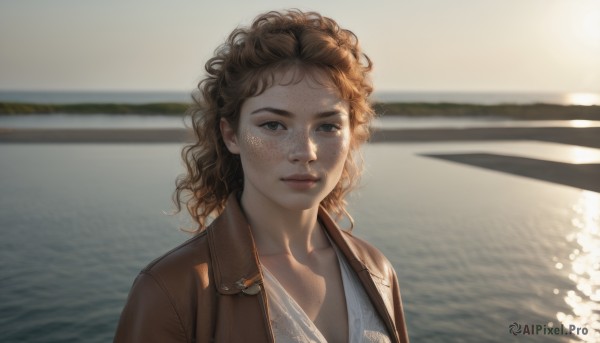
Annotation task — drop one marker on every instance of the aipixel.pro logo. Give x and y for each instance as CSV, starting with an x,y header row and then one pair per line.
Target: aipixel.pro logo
x,y
544,329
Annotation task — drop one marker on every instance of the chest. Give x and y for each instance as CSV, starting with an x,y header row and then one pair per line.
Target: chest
x,y
316,286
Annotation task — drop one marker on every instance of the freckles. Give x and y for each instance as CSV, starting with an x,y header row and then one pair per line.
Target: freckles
x,y
256,147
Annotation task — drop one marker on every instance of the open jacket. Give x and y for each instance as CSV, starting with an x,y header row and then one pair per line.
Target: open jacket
x,y
209,289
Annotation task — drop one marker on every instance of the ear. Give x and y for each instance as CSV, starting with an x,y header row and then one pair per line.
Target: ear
x,y
229,136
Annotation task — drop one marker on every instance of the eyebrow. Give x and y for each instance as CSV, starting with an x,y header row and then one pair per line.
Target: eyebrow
x,y
285,113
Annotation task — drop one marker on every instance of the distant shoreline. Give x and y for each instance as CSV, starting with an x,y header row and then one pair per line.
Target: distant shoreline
x,y
512,111
166,108
407,109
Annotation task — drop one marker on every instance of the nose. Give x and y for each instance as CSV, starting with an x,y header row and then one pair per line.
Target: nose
x,y
302,148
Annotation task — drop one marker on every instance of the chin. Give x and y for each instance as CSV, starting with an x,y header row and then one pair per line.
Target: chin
x,y
300,202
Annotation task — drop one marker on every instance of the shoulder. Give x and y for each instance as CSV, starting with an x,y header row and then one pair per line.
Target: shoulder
x,y
180,263
163,301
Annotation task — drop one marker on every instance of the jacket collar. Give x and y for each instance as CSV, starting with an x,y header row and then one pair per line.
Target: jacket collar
x,y
234,256
236,266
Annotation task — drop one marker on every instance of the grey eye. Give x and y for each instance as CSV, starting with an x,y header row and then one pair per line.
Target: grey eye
x,y
329,127
273,126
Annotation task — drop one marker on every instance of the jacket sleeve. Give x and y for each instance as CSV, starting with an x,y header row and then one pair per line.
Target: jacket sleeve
x,y
149,315
398,310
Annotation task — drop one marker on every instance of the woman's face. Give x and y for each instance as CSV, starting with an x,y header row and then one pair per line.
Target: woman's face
x,y
293,141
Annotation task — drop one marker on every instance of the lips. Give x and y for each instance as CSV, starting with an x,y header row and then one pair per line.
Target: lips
x,y
301,177
300,182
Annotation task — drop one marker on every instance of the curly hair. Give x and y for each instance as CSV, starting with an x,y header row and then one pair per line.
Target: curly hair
x,y
245,66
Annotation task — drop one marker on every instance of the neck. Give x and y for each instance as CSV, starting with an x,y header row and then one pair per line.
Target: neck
x,y
277,230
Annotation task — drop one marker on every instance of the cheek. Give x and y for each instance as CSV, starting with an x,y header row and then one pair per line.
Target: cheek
x,y
256,148
335,152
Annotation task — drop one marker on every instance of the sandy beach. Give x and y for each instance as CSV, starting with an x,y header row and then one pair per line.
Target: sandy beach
x,y
584,176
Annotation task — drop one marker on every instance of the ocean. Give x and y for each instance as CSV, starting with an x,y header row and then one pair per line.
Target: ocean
x,y
475,250
479,254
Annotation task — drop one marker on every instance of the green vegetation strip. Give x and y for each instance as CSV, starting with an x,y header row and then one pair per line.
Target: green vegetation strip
x,y
526,112
14,108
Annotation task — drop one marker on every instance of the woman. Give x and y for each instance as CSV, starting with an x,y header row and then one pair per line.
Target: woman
x,y
278,123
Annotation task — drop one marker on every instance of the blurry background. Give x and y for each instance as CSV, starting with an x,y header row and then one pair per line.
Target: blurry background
x,y
489,212
511,46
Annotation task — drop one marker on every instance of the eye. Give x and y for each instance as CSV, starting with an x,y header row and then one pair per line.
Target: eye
x,y
273,126
329,128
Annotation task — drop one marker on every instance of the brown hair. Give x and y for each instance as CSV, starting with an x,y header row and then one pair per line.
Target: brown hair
x,y
244,66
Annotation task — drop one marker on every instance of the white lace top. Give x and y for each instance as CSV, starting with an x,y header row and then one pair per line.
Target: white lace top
x,y
291,325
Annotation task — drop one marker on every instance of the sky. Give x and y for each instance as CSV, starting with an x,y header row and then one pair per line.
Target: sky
x,y
419,45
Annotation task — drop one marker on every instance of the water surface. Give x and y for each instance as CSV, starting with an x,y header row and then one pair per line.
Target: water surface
x,y
475,250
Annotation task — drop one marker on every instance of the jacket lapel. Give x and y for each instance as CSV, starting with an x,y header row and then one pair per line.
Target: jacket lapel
x,y
364,266
234,256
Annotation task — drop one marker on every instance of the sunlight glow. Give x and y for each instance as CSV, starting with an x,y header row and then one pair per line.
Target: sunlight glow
x,y
583,99
589,30
580,123
584,300
580,155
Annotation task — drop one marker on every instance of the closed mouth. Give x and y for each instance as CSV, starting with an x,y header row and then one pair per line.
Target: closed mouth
x,y
301,178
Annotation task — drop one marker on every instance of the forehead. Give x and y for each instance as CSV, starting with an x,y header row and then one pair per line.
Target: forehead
x,y
300,90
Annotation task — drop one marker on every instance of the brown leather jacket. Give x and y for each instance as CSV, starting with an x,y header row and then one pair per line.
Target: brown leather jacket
x,y
209,288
